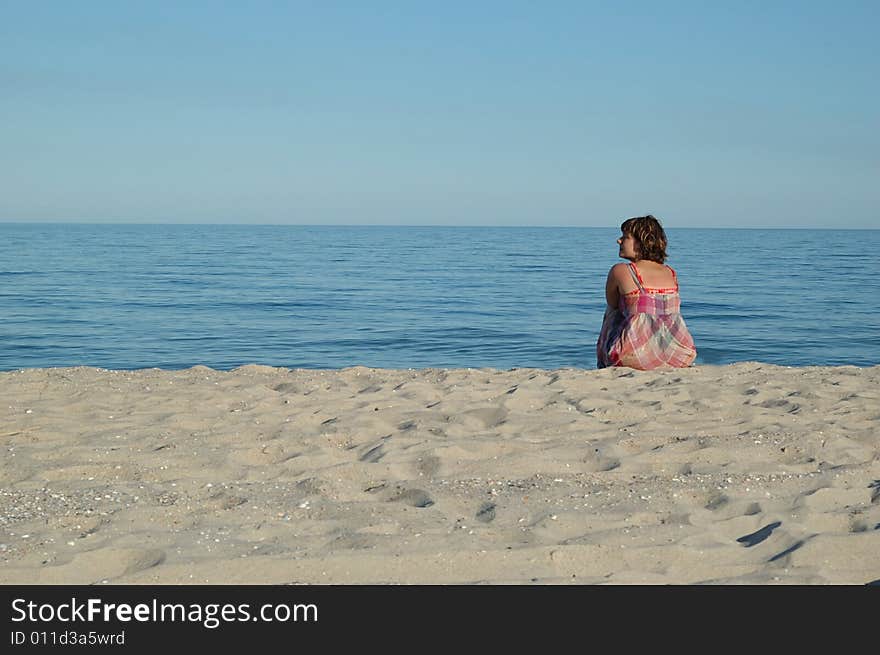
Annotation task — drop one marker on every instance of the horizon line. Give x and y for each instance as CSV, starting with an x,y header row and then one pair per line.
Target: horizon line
x,y
419,225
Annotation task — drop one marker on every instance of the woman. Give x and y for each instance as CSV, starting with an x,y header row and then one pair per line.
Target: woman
x,y
643,326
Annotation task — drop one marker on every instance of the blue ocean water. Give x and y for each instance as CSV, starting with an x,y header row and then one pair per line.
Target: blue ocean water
x,y
172,296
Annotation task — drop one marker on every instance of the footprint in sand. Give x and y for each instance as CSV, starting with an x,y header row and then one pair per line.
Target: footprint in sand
x,y
140,560
261,455
287,387
595,461
716,501
788,551
758,536
411,497
222,501
108,563
374,452
833,499
486,513
484,417
428,465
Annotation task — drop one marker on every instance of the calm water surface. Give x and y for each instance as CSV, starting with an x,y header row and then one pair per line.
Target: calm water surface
x,y
172,296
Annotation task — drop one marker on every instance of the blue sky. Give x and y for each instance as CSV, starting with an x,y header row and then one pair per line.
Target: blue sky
x,y
727,114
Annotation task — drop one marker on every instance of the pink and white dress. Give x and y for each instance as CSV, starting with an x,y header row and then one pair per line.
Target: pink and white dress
x,y
646,330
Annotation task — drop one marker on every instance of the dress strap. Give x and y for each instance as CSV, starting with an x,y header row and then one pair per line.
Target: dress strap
x,y
636,277
674,276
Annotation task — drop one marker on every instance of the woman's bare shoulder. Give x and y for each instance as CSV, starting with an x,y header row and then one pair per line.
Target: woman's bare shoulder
x,y
619,270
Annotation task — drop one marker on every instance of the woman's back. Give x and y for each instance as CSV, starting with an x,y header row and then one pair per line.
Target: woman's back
x,y
654,275
651,276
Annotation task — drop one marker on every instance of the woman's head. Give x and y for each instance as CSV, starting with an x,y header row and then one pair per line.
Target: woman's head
x,y
650,239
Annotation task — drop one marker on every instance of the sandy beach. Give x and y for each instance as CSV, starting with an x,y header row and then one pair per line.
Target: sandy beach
x,y
740,474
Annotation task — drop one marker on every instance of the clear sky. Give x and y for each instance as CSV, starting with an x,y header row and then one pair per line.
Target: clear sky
x,y
731,113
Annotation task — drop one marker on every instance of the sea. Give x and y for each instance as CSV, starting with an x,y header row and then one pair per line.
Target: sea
x,y
133,296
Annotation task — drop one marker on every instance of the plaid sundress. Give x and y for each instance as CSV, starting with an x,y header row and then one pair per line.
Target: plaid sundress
x,y
646,331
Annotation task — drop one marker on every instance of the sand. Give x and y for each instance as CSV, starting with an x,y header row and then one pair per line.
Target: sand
x,y
739,474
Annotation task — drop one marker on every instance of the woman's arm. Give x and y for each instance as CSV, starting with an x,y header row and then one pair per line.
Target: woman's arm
x,y
612,287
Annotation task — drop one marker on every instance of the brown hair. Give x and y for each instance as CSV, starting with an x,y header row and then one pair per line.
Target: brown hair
x,y
649,236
